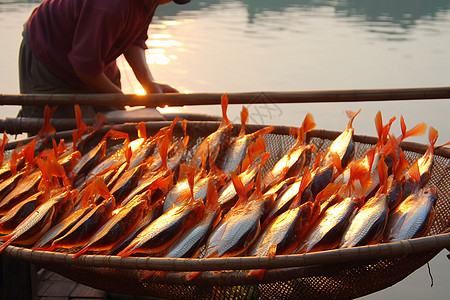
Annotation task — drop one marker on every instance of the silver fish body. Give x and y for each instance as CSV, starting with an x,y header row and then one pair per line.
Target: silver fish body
x,y
326,232
368,225
412,217
237,231
284,232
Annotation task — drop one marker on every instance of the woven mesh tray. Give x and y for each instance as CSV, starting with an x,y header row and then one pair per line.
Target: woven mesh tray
x,y
334,274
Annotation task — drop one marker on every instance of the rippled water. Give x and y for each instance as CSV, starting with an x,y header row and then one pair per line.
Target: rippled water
x,y
294,45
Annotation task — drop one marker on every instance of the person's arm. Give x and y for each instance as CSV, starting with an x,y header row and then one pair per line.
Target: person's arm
x,y
135,56
98,83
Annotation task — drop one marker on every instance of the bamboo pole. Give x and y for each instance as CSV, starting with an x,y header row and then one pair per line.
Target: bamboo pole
x,y
161,100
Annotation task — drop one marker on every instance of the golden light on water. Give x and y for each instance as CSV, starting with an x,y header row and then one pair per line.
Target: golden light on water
x,y
156,54
167,109
171,23
158,58
161,50
140,92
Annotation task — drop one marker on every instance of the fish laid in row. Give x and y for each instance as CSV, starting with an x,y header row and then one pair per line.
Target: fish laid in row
x,y
157,196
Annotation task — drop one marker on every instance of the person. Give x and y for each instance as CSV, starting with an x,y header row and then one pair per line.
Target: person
x,y
71,47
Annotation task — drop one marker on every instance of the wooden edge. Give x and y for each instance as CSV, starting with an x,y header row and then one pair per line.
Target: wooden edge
x,y
378,251
161,100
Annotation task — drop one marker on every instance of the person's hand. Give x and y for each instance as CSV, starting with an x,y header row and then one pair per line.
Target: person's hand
x,y
158,88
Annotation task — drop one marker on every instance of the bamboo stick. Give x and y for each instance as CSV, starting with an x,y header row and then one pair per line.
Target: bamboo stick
x,y
344,255
161,100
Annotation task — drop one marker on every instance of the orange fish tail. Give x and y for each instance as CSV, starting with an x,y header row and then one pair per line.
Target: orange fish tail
x,y
224,102
379,124
433,135
5,244
82,251
257,273
244,119
47,128
142,130
81,126
351,115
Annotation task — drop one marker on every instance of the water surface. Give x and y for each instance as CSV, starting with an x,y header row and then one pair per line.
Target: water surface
x,y
293,45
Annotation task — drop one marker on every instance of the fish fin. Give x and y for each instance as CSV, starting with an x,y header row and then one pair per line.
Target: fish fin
x,y
74,140
101,188
379,125
164,183
443,145
414,172
294,131
317,161
417,130
382,169
60,148
13,160
164,149
212,197
359,172
224,102
387,129
216,172
96,186
336,161
305,181
172,126
99,120
259,274
244,119
433,135
351,115
117,135
45,179
28,153
6,243
370,156
239,187
127,251
82,251
128,155
258,183
57,169
254,150
47,128
263,131
190,178
272,252
81,126
183,172
328,191
308,124
382,131
186,137
142,130
3,143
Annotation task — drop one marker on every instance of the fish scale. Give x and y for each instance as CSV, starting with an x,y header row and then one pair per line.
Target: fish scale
x,y
371,218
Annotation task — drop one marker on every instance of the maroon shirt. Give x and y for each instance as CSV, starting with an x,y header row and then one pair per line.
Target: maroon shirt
x,y
87,34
